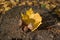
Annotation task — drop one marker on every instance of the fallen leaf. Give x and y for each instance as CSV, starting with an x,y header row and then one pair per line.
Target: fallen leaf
x,y
32,18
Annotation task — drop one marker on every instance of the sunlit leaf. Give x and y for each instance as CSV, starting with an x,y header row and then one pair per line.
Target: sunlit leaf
x,y
32,18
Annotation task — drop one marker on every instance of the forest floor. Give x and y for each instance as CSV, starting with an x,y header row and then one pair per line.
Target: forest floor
x,y
9,20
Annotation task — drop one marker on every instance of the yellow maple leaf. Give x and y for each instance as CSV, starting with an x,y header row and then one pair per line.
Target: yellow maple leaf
x,y
34,18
